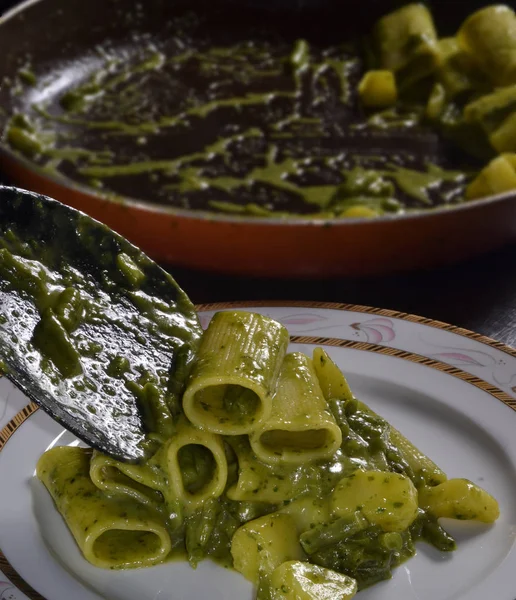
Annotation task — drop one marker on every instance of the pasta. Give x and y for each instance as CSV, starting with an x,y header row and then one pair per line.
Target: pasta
x,y
259,481
490,110
489,36
196,466
236,372
111,532
319,498
301,427
406,42
138,482
456,71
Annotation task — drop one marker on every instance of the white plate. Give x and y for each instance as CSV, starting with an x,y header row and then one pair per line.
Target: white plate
x,y
450,391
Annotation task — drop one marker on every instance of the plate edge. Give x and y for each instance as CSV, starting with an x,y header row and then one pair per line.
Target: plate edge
x,y
20,418
360,308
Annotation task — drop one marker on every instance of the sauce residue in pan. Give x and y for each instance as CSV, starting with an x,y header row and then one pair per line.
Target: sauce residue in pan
x,y
263,126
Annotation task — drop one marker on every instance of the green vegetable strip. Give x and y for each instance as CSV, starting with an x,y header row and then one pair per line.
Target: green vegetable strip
x,y
427,528
368,556
421,465
334,385
301,427
112,533
491,110
198,530
232,383
436,102
315,539
155,412
489,36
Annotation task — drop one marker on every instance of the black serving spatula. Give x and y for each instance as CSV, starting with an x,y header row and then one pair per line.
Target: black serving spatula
x,y
88,322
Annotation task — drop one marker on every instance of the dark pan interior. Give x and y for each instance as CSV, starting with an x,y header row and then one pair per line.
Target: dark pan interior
x,y
63,43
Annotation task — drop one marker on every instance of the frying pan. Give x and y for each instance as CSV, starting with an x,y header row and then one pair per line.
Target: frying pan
x,y
56,44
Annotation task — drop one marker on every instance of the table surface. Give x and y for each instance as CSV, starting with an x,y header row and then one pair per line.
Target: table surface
x,y
479,294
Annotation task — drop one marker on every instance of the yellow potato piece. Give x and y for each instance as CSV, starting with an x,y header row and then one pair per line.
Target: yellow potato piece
x,y
383,498
377,89
296,580
307,512
359,212
497,177
261,545
459,499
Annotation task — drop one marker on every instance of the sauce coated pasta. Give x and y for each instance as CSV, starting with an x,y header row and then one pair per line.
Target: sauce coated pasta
x,y
279,472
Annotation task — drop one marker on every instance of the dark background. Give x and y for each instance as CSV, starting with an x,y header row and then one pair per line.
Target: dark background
x,y
479,294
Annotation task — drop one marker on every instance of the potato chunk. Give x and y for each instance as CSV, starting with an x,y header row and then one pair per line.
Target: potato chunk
x,y
261,545
459,499
296,580
378,89
383,498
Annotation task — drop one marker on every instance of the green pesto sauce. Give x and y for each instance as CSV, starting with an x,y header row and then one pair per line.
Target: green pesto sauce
x,y
82,316
349,546
357,549
283,158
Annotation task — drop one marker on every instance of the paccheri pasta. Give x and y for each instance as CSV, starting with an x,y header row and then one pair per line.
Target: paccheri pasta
x,y
320,497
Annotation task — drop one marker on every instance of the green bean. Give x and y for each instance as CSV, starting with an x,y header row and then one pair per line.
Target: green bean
x,y
327,534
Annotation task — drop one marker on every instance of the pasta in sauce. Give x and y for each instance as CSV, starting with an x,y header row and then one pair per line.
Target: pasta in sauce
x,y
314,490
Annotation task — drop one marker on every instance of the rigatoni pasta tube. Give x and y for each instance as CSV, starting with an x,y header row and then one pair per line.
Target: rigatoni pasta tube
x,y
258,481
489,36
139,482
457,73
406,43
234,377
113,533
301,427
195,461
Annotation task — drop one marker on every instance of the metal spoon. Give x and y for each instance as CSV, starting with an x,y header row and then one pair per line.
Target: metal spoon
x,y
91,329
